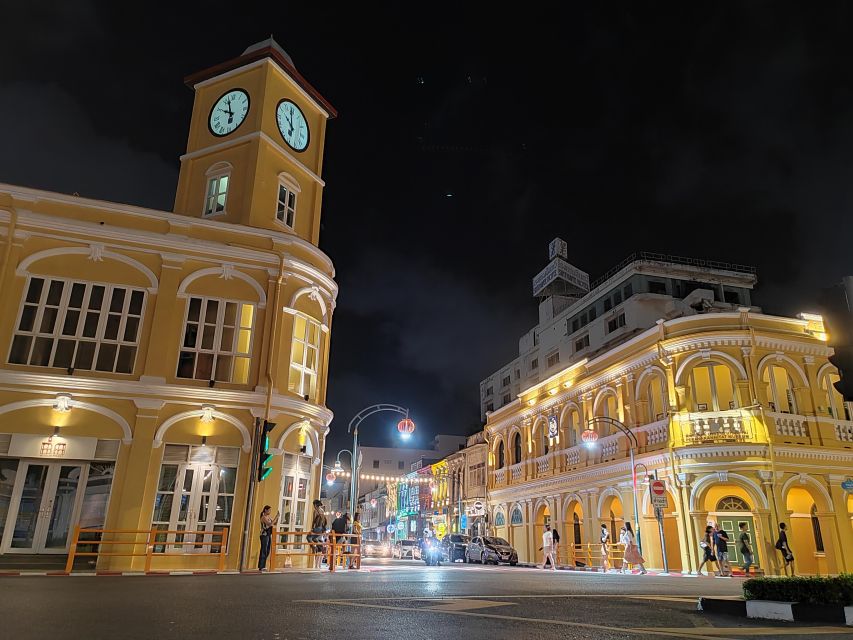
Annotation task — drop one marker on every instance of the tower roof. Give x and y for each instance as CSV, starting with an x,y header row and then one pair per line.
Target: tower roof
x,y
268,48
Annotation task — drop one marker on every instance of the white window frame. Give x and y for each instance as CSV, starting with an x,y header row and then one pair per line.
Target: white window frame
x,y
306,373
293,465
217,351
214,177
62,310
291,187
774,392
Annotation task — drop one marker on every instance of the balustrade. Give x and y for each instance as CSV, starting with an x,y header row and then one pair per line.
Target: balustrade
x,y
543,463
790,425
844,431
516,470
715,427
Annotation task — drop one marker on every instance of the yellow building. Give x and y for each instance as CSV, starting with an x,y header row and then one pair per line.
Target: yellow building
x,y
142,349
735,411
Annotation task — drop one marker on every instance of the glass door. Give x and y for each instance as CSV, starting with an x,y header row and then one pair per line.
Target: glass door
x,y
46,508
193,497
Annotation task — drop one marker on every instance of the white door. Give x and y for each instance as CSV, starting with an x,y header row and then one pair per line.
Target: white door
x,y
45,507
193,496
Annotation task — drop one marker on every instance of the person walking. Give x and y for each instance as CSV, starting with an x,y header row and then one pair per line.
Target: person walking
x,y
782,546
721,541
605,551
707,546
556,537
548,548
632,551
268,524
319,525
745,548
624,542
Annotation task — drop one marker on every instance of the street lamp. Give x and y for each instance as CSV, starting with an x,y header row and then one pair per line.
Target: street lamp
x,y
405,427
590,436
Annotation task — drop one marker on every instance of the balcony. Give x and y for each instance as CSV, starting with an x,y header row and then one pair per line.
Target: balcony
x,y
844,430
543,464
716,427
517,470
788,425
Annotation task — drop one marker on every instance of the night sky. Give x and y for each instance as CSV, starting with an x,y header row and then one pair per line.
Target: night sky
x,y
468,139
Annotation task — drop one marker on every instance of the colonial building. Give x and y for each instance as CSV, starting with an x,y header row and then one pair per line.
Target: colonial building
x,y
142,348
732,408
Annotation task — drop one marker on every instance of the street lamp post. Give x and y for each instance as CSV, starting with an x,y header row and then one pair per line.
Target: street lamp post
x,y
632,442
405,427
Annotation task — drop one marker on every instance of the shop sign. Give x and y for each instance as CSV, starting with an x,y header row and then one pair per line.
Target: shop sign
x,y
847,485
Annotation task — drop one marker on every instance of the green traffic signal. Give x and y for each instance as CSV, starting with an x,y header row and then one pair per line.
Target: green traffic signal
x,y
265,457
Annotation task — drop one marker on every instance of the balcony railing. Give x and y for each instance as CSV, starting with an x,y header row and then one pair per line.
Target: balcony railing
x,y
790,425
714,427
543,463
844,430
500,476
516,470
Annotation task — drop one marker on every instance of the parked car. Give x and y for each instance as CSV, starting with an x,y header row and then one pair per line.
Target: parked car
x,y
406,549
455,546
375,549
487,549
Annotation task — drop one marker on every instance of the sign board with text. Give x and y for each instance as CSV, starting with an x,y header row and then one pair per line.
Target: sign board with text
x,y
657,492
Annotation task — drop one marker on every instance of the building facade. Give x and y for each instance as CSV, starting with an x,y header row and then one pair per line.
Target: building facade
x,y
141,348
734,410
578,319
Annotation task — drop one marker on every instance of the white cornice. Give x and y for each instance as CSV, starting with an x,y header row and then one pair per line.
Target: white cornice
x,y
35,195
259,63
135,390
150,242
255,135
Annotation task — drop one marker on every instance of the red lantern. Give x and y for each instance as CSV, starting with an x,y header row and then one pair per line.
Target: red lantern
x,y
589,436
331,477
373,502
406,426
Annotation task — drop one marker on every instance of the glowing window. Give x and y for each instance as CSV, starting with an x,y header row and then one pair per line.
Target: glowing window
x,y
304,357
217,342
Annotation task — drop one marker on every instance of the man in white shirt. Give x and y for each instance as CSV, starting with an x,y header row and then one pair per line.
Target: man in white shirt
x,y
548,549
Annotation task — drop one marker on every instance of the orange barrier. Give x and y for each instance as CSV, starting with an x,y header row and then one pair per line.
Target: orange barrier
x,y
150,541
336,548
590,555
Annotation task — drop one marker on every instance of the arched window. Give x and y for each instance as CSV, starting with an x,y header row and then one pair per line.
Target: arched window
x,y
500,519
516,448
501,456
732,503
571,427
516,517
656,398
543,437
818,536
713,387
839,409
608,407
780,389
576,529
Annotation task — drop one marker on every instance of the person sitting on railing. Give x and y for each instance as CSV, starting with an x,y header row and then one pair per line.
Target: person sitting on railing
x,y
268,524
339,528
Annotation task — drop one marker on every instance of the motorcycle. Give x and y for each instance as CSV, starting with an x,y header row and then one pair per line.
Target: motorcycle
x,y
432,552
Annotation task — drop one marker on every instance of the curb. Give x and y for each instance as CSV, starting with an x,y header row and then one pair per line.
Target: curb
x,y
773,610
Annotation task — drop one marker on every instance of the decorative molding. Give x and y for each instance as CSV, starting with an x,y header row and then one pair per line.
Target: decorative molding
x,y
226,271
779,357
196,413
157,388
95,252
74,404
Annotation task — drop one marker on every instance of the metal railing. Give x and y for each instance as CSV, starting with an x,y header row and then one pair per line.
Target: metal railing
x,y
336,548
581,556
149,539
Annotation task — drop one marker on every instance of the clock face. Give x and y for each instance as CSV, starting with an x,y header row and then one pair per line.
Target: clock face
x,y
228,112
292,125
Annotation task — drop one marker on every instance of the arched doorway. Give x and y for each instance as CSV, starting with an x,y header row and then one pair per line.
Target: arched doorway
x,y
543,517
809,538
611,515
651,538
731,506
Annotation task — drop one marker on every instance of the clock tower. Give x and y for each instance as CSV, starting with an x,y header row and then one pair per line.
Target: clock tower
x,y
255,149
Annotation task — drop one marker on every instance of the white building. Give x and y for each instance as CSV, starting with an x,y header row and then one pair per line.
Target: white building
x,y
578,319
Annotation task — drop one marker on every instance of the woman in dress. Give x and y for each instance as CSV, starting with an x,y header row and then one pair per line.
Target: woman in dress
x,y
632,552
605,551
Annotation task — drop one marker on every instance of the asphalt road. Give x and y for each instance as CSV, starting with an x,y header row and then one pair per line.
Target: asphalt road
x,y
387,599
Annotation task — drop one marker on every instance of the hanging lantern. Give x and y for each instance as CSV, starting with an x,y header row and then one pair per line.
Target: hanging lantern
x,y
406,426
589,437
373,502
330,477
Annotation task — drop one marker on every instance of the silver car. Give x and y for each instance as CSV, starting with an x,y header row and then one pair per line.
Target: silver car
x,y
485,549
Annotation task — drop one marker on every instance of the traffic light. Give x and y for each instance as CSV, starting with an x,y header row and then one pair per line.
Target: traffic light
x,y
838,321
265,457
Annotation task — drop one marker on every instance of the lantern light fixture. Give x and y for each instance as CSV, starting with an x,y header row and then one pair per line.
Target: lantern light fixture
x,y
62,404
207,413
